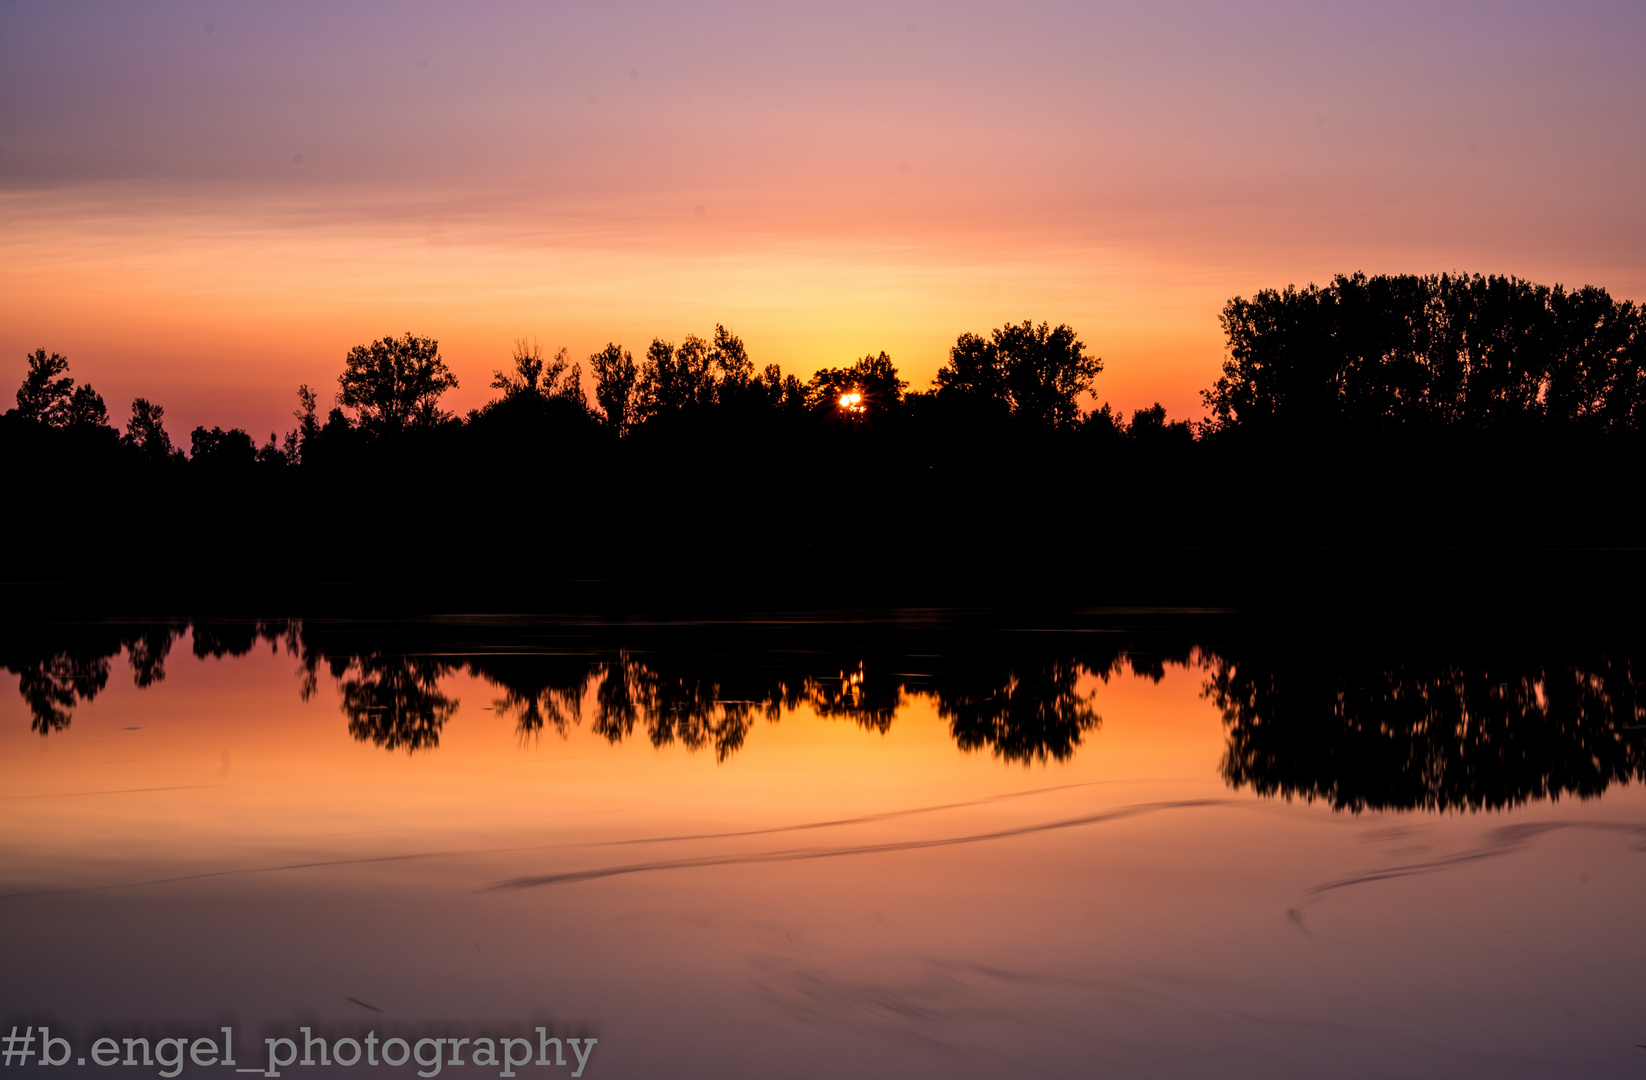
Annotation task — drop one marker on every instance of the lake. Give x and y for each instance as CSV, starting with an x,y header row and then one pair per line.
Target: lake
x,y
918,845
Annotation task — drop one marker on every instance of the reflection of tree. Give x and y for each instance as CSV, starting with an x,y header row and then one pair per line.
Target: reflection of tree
x,y
68,666
146,652
1438,735
616,700
685,706
1033,713
1479,729
853,695
53,686
395,701
539,690
224,639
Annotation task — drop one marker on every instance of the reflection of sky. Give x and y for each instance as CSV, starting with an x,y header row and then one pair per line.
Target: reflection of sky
x,y
1179,940
209,202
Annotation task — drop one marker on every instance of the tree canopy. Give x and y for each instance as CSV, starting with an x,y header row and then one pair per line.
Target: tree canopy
x,y
1436,351
48,395
1036,373
396,383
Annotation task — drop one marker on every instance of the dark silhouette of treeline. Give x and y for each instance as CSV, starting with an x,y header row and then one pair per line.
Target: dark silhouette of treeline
x,y
1366,724
1406,412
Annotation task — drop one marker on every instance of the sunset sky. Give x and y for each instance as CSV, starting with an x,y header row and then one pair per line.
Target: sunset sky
x,y
207,203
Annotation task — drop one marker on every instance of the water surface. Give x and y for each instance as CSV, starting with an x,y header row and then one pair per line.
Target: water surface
x,y
813,851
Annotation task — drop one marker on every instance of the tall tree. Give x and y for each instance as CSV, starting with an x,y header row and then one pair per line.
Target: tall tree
x,y
974,372
615,377
674,378
396,383
1036,372
1046,370
731,359
47,389
146,431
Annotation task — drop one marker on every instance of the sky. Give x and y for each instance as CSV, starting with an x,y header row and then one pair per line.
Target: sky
x,y
208,203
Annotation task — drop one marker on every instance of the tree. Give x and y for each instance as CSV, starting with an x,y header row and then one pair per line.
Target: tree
x,y
1437,351
1149,427
1037,373
146,432
974,372
396,383
732,360
1046,371
86,408
301,440
535,377
615,377
47,389
673,378
217,448
869,386
531,374
779,391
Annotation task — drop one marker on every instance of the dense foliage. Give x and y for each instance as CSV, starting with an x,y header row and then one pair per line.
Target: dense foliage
x,y
1374,412
1442,351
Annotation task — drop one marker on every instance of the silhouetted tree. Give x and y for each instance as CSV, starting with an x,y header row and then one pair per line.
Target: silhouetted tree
x,y
1036,372
873,380
780,392
1046,370
528,370
219,449
974,373
672,379
731,359
615,377
146,433
86,409
1443,351
46,390
48,395
535,377
1150,427
273,454
307,432
396,383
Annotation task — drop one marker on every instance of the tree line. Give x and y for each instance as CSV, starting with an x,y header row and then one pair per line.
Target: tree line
x,y
392,388
1378,353
1373,412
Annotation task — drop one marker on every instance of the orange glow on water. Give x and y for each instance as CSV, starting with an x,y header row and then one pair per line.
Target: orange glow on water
x,y
214,843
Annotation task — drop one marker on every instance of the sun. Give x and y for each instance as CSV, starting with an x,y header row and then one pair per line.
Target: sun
x,y
852,401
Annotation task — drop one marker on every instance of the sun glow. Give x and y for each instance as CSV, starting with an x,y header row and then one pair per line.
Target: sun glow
x,y
852,401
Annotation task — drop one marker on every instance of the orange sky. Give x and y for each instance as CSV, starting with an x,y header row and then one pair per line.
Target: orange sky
x,y
208,204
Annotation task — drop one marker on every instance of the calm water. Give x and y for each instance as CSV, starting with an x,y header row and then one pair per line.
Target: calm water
x,y
815,851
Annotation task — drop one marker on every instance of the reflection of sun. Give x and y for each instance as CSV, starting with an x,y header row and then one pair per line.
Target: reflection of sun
x,y
851,401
